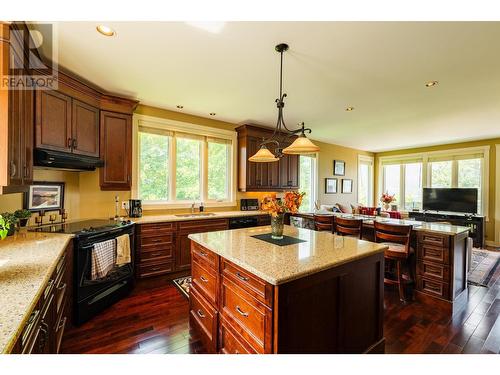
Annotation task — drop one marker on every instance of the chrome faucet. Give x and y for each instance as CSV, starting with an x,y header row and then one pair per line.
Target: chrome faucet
x,y
192,207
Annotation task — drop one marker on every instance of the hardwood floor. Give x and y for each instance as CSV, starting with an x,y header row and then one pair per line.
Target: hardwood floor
x,y
154,319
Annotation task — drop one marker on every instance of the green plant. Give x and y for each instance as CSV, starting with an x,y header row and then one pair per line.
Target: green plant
x,y
10,219
22,214
4,228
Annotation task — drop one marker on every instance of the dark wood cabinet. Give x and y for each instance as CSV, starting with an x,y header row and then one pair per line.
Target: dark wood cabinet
x,y
274,176
53,121
116,150
43,332
85,129
19,129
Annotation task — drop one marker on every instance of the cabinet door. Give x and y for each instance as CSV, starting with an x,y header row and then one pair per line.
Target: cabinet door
x,y
116,150
53,121
85,129
183,255
253,169
15,138
289,172
28,133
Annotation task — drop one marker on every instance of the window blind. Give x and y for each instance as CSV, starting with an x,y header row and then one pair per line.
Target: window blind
x,y
157,131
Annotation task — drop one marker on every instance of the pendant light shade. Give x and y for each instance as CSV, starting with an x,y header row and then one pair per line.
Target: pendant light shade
x,y
301,145
263,156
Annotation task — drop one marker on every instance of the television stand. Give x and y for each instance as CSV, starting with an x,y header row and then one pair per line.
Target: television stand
x,y
476,223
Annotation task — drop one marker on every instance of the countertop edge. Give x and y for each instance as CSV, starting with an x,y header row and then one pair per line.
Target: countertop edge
x,y
284,280
168,218
10,344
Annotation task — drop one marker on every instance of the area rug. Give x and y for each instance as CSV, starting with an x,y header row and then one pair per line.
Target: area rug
x,y
484,266
183,284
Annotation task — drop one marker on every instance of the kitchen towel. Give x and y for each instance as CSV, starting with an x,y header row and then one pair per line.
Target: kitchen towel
x,y
122,249
103,258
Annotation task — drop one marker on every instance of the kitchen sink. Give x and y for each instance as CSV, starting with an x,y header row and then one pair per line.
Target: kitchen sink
x,y
196,214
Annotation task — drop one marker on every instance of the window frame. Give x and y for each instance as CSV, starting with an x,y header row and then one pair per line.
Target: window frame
x,y
370,161
426,158
187,128
314,178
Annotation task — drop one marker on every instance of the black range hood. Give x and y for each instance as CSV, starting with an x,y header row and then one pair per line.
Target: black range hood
x,y
63,160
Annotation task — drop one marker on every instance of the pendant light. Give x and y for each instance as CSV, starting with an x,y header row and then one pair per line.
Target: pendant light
x,y
282,135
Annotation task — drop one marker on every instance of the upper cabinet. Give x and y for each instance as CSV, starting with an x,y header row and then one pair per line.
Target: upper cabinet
x,y
16,123
275,176
66,124
53,121
116,150
85,128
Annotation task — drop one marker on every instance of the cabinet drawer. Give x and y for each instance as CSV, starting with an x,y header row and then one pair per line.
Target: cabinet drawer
x,y
156,228
156,240
250,316
433,270
433,287
146,270
231,342
206,225
252,284
204,316
156,252
205,280
433,253
203,256
433,239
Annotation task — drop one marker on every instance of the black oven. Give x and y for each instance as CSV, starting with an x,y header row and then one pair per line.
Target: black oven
x,y
93,296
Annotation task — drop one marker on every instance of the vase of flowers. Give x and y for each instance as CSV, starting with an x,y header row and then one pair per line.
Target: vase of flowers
x,y
387,199
277,209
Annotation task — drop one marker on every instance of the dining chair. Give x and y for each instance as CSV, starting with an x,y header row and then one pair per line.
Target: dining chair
x,y
397,238
348,227
323,222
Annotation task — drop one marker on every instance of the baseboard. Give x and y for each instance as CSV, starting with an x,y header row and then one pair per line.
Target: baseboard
x,y
492,243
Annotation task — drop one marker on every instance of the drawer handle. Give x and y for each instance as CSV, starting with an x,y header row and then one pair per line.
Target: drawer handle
x,y
61,287
155,268
241,312
62,323
155,254
156,240
204,279
203,254
241,277
200,314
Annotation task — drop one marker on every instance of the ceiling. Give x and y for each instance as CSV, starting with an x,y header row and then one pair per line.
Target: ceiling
x,y
379,68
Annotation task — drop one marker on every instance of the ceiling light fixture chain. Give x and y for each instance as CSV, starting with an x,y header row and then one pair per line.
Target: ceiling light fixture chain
x,y
281,134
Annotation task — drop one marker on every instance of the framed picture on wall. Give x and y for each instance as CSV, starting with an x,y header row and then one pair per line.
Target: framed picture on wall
x,y
44,196
346,185
339,168
330,185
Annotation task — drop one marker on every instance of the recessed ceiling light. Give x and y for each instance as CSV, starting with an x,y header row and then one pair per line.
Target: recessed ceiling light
x,y
212,113
105,30
431,83
349,109
180,106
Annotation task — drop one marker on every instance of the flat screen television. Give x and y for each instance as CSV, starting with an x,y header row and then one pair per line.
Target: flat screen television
x,y
450,199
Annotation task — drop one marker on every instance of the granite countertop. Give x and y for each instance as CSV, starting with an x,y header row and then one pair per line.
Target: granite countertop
x,y
212,215
280,264
417,225
27,260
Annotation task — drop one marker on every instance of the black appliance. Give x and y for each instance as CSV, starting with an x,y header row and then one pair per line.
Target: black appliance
x,y
450,199
63,160
92,296
249,204
243,222
135,208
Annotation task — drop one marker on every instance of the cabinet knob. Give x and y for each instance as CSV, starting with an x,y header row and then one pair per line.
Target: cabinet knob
x,y
13,169
70,142
74,143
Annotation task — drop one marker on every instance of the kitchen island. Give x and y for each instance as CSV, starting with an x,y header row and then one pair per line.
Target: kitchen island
x,y
322,295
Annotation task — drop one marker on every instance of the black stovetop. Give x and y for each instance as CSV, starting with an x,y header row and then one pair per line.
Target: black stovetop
x,y
84,227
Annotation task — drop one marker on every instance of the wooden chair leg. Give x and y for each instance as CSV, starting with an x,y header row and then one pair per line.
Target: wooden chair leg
x,y
400,282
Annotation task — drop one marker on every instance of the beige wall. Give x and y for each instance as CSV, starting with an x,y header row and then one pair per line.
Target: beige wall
x,y
492,214
84,199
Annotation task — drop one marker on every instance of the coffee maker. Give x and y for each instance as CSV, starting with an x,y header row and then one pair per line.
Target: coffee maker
x,y
135,207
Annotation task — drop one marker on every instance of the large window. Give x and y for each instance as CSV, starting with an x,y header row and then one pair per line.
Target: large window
x,y
178,168
407,177
365,180
307,183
